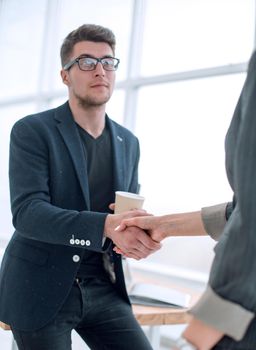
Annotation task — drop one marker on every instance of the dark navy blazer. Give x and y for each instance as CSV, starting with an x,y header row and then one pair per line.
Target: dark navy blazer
x,y
51,207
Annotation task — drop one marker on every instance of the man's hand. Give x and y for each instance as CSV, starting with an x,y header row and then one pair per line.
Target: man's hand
x,y
156,226
160,227
132,242
203,336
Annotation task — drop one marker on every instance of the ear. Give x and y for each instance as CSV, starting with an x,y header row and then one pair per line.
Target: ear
x,y
65,76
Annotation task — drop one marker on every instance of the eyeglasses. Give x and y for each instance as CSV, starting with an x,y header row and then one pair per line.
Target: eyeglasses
x,y
87,63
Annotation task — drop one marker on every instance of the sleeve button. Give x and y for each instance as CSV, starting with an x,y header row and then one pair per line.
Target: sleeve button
x,y
76,258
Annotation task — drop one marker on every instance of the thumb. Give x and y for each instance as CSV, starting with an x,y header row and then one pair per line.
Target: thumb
x,y
112,206
121,227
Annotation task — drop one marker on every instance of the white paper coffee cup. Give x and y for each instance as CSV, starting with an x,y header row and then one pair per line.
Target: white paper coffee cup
x,y
127,201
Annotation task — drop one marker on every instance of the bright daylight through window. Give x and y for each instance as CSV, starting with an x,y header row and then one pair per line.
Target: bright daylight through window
x,y
180,74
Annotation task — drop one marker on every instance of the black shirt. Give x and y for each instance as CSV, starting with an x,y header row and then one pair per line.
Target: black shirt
x,y
98,155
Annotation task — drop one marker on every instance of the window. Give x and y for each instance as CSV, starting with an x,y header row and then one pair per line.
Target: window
x,y
196,34
181,127
183,64
21,38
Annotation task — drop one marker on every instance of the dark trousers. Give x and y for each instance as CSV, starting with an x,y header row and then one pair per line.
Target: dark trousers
x,y
97,313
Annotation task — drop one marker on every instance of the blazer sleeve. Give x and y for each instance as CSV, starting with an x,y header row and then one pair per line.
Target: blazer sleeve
x,y
35,216
229,304
134,186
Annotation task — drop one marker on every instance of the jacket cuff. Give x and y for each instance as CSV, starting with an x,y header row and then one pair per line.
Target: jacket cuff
x,y
224,315
214,219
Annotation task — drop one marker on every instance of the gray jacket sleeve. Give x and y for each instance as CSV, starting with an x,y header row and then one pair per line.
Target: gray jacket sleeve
x,y
228,317
222,314
231,294
214,219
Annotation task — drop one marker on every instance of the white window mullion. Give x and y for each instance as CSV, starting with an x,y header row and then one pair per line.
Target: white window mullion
x,y
134,61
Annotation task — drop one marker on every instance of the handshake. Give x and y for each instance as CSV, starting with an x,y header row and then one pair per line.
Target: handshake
x,y
135,233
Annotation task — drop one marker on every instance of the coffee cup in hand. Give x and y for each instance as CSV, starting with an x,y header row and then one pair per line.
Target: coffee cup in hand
x,y
127,201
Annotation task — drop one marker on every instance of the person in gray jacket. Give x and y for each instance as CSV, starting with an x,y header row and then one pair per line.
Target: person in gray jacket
x,y
224,317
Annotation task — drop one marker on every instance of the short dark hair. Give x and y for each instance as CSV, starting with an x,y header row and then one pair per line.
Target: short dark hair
x,y
86,32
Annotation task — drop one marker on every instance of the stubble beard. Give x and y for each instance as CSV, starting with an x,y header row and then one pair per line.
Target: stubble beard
x,y
89,102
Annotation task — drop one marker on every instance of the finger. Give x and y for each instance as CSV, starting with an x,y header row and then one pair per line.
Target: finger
x,y
128,223
144,252
112,206
133,255
132,248
120,227
139,238
135,212
138,220
147,241
138,254
118,251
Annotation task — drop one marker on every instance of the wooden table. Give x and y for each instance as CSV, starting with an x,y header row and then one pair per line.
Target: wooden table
x,y
154,317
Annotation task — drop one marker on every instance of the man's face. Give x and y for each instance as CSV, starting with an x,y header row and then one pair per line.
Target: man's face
x,y
90,88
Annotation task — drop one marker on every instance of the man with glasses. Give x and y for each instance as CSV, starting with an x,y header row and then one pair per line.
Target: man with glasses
x,y
59,271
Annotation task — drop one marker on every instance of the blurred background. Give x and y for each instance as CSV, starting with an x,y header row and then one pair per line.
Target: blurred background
x,y
183,64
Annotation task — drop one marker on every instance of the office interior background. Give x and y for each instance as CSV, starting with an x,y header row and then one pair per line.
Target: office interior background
x,y
183,64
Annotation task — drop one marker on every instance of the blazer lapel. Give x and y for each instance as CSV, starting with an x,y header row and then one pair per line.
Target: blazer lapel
x,y
118,147
70,134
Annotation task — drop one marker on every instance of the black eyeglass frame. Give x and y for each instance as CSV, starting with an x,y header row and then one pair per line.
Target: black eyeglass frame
x,y
68,65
